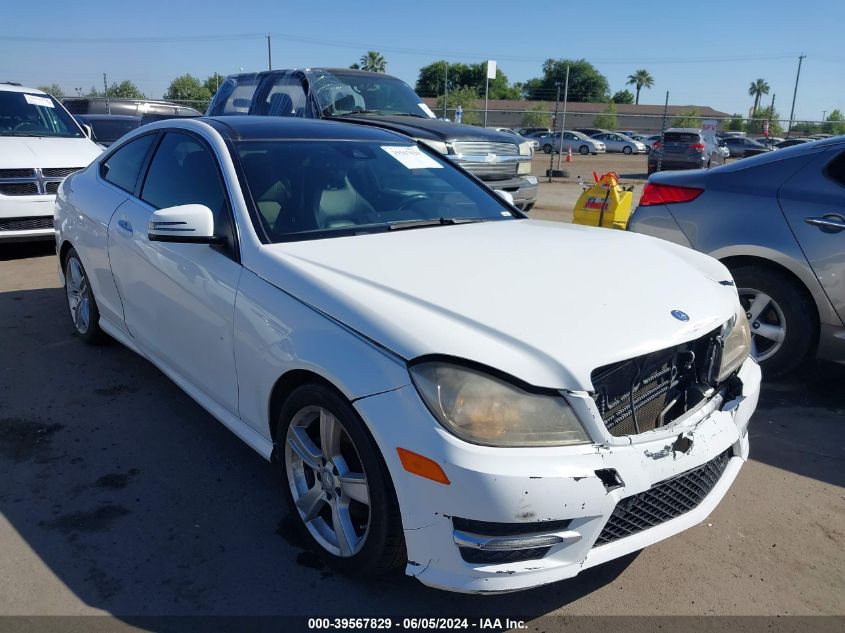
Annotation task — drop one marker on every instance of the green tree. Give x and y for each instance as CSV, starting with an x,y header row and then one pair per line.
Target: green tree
x,y
187,88
607,119
53,89
687,118
623,96
355,66
124,90
834,124
213,83
535,116
374,62
641,79
806,128
431,80
585,82
758,117
466,98
757,89
735,124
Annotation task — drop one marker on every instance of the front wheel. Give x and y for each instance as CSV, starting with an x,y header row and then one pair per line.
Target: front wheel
x,y
80,299
547,148
336,484
627,150
782,318
583,150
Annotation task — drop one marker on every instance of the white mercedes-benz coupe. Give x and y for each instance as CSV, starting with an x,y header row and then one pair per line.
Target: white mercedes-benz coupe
x,y
491,401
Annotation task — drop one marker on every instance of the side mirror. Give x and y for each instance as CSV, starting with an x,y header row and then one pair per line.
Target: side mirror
x,y
505,195
186,223
89,131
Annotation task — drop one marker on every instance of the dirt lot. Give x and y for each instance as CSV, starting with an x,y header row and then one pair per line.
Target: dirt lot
x,y
119,495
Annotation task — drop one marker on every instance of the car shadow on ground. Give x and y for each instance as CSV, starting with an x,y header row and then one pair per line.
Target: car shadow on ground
x,y
142,504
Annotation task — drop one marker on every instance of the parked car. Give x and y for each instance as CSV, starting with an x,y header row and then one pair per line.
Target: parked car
x,y
649,141
630,133
502,161
328,291
591,131
535,144
741,147
530,131
107,128
574,141
40,144
769,141
684,148
616,142
793,141
777,221
127,107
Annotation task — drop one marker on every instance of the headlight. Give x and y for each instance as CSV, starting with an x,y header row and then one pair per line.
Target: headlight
x,y
437,146
737,346
483,409
526,149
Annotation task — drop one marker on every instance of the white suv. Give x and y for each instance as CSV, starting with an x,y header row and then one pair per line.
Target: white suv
x,y
40,145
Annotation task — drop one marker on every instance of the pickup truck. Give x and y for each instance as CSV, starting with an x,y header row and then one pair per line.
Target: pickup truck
x,y
500,160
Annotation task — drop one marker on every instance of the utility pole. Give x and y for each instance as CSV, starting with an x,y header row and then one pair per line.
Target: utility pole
x,y
663,133
554,127
824,114
269,54
106,94
445,88
563,117
771,114
794,94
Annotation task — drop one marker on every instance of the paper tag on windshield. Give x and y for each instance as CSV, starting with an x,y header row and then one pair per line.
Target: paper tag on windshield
x,y
411,157
38,101
427,110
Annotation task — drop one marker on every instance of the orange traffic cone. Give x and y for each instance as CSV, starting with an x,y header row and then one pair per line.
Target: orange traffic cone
x,y
569,155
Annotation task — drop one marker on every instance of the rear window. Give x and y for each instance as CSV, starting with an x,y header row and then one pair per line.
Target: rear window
x,y
682,137
234,96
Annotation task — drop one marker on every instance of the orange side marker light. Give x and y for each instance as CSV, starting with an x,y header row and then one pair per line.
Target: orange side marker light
x,y
417,464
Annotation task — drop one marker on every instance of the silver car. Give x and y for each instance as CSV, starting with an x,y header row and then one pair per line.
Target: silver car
x,y
576,141
535,144
616,142
777,221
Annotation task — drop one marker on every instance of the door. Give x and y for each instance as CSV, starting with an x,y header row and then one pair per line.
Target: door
x,y
814,203
179,298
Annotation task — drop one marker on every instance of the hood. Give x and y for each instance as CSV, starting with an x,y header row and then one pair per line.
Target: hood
x,y
43,151
432,129
546,302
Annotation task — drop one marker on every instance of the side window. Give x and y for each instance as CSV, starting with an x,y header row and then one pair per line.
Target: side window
x,y
285,98
836,169
184,171
234,96
121,168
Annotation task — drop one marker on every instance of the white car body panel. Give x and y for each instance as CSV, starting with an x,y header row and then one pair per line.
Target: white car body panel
x,y
353,310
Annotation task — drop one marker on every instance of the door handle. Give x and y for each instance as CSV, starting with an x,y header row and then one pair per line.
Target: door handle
x,y
125,225
829,223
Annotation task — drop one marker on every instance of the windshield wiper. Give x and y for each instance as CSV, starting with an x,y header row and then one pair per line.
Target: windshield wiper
x,y
413,114
416,224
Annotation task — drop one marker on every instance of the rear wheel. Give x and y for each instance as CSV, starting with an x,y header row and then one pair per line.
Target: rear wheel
x,y
81,303
781,315
336,484
583,150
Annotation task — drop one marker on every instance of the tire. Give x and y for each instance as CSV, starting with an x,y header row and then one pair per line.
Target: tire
x,y
583,150
528,207
547,148
82,306
789,304
627,151
375,544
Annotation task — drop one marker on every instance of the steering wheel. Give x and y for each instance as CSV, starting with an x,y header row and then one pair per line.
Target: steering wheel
x,y
412,200
25,126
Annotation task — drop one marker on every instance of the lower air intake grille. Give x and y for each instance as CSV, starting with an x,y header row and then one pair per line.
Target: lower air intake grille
x,y
25,224
664,501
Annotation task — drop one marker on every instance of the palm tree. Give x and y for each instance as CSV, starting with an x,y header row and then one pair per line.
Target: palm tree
x,y
757,89
641,79
374,62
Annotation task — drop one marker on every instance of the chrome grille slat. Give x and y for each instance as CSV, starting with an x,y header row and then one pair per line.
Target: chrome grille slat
x,y
664,501
33,182
482,148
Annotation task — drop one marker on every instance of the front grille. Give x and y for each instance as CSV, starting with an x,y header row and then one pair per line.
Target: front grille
x,y
16,173
59,172
490,171
650,391
26,224
482,148
53,187
664,501
18,188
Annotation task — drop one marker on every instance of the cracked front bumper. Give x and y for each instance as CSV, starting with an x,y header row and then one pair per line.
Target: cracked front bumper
x,y
538,485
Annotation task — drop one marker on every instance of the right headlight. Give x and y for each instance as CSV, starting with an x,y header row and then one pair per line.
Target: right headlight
x,y
736,334
484,409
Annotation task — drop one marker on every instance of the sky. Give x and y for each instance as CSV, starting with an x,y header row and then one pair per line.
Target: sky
x,y
703,54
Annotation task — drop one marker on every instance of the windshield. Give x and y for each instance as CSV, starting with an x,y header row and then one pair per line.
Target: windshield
x,y
23,114
342,93
314,189
109,130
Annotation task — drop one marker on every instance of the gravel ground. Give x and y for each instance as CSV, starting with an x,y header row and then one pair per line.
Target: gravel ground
x,y
119,495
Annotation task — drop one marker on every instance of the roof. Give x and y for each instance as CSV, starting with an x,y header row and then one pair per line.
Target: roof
x,y
6,87
577,107
107,117
272,128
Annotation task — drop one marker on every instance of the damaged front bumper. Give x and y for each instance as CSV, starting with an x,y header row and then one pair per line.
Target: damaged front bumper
x,y
518,518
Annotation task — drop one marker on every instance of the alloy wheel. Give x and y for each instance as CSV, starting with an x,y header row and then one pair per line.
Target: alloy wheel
x,y
768,324
78,295
327,481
